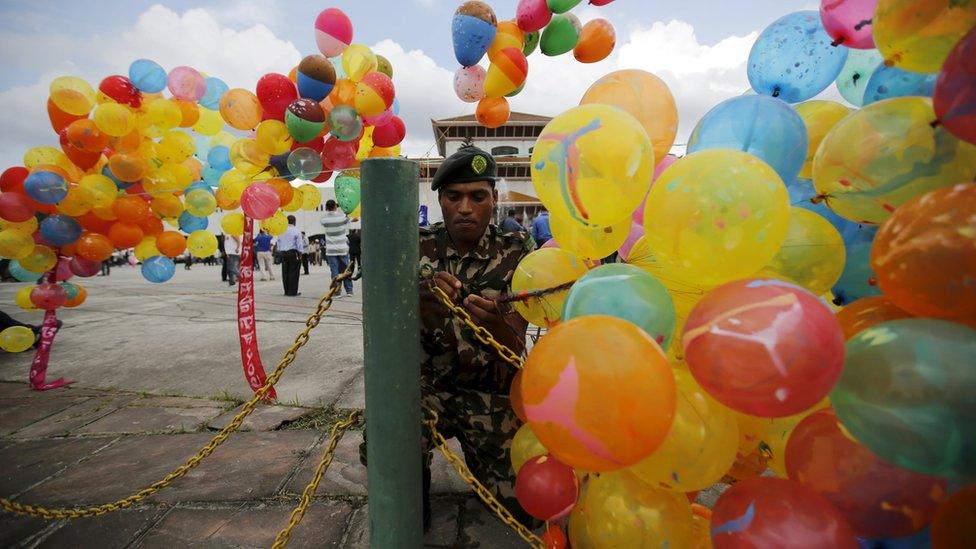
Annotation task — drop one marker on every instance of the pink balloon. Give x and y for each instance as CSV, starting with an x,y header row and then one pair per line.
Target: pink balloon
x,y
186,83
260,201
600,2
532,15
380,119
664,164
63,271
85,267
391,134
48,296
333,32
636,232
848,22
469,83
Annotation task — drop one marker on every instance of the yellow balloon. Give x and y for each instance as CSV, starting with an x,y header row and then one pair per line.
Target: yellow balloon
x,y
357,60
16,339
645,97
166,205
175,147
592,164
223,138
276,224
209,122
247,157
884,155
146,248
819,117
699,448
159,182
28,227
508,35
579,537
918,36
365,144
357,213
295,203
233,224
775,433
113,119
181,173
701,527
164,114
587,242
232,184
544,269
103,190
621,511
15,244
273,137
200,202
40,260
311,197
23,300
37,156
812,255
201,243
77,202
72,95
525,446
716,215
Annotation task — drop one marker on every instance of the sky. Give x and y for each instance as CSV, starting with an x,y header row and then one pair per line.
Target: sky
x,y
698,47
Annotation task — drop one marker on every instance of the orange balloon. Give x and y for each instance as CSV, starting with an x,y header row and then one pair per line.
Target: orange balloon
x,y
80,297
125,235
128,142
515,396
596,41
127,166
225,202
492,112
191,113
954,524
170,243
284,189
131,209
593,413
293,74
84,135
94,246
925,255
166,205
151,225
60,119
92,223
867,312
344,92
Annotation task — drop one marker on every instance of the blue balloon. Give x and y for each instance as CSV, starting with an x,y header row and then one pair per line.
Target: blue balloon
x,y
763,126
147,75
219,158
189,223
888,82
60,230
210,175
203,147
858,279
22,274
280,164
46,187
802,195
158,269
472,37
198,185
793,58
311,88
215,90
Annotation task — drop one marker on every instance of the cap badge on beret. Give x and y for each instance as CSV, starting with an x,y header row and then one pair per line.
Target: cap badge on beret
x,y
479,164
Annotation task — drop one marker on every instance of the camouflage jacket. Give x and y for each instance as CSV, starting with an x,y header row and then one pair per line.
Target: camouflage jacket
x,y
451,356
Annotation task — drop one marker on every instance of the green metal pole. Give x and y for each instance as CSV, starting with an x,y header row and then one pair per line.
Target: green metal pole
x,y
391,330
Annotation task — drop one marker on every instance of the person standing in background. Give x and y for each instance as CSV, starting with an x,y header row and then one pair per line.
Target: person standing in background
x,y
336,225
291,248
510,224
305,243
540,228
262,247
223,257
314,255
232,247
355,250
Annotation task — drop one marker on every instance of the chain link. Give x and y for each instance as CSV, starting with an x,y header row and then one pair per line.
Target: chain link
x,y
298,512
480,332
48,513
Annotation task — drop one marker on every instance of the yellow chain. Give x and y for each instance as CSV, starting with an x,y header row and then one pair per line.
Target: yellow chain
x,y
480,332
218,439
299,512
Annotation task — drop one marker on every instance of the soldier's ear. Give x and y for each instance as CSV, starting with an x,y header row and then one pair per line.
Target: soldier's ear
x,y
494,195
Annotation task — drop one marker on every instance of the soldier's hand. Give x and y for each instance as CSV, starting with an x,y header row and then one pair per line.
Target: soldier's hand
x,y
432,310
484,311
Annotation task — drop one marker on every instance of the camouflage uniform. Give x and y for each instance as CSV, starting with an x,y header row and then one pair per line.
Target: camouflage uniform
x,y
467,383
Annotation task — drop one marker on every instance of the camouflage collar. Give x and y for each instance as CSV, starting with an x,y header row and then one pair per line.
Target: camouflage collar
x,y
480,251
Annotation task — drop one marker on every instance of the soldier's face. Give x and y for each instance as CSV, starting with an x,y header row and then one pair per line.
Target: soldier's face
x,y
467,208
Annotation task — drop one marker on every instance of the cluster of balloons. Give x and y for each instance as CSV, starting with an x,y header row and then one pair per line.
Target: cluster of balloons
x,y
547,25
796,299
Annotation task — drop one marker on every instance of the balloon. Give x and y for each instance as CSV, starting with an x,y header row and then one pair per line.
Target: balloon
x,y
561,6
275,92
216,88
918,37
888,82
233,224
848,22
347,192
532,15
525,446
812,256
16,339
357,61
390,134
93,247
15,244
333,32
546,488
384,66
589,242
507,72
60,119
113,119
158,269
508,35
311,197
866,312
858,279
164,114
304,163
593,164
40,259
567,378
554,537
954,524
492,112
46,187
699,448
120,90
560,35
72,95
531,43
596,41
764,347
189,223
241,109
146,248
771,512
344,123
925,254
84,134
260,201
901,379
283,188
48,296
12,179
132,209
878,499
200,203
337,155
621,511
147,75
276,224
542,270
15,207
697,242
84,267
79,297
473,30
186,83
954,97
765,127
374,94
60,230
201,243
175,147
272,137
793,58
819,117
305,119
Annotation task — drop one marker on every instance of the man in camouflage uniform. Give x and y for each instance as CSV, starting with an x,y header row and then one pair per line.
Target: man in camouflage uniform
x,y
465,382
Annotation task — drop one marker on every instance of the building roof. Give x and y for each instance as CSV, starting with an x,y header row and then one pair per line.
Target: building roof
x,y
514,118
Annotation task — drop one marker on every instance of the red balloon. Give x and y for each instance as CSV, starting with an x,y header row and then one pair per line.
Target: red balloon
x,y
546,488
85,267
121,90
15,207
554,537
773,512
60,119
317,143
954,98
879,500
12,179
390,134
764,347
151,226
275,92
93,223
322,177
63,270
83,159
48,296
338,155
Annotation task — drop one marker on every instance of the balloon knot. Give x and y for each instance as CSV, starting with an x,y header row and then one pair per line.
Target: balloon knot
x,y
837,42
935,123
818,199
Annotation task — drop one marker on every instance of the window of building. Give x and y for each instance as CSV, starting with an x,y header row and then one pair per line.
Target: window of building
x,y
504,150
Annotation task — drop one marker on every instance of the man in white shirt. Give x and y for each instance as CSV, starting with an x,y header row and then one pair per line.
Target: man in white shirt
x,y
336,225
291,248
232,247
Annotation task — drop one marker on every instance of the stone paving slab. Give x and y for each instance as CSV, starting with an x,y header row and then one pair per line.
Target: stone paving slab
x,y
20,389
480,528
355,394
145,419
17,413
20,531
263,418
76,416
177,402
25,463
115,530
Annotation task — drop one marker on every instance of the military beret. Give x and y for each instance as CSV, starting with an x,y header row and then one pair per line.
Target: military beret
x,y
467,165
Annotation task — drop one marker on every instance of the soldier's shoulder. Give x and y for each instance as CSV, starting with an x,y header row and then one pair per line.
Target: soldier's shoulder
x,y
516,242
432,230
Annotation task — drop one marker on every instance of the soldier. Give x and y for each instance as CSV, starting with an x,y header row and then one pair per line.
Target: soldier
x,y
465,382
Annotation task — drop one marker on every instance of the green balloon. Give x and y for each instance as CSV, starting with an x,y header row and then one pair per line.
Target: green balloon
x,y
347,192
531,42
70,289
516,91
384,66
561,6
854,76
560,35
302,130
908,392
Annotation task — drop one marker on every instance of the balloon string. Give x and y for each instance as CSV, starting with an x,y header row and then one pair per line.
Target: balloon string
x,y
839,41
861,25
